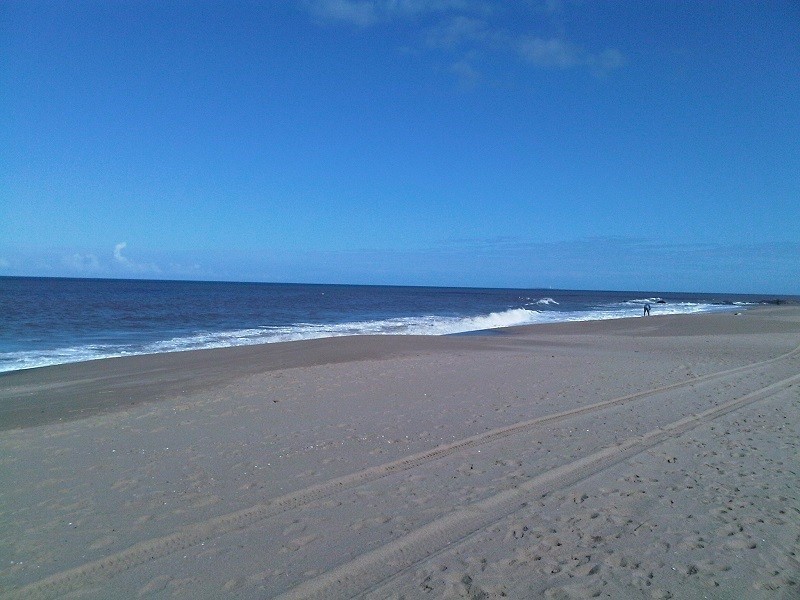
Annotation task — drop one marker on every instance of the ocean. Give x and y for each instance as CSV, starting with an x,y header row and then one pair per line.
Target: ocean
x,y
47,321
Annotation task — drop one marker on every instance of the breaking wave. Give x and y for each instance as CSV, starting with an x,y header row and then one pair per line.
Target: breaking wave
x,y
546,302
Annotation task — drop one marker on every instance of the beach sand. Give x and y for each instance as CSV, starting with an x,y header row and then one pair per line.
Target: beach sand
x,y
651,457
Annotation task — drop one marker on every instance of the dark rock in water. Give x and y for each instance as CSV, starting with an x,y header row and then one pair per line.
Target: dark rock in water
x,y
661,302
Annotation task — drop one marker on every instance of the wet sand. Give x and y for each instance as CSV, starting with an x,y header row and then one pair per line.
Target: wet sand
x,y
637,458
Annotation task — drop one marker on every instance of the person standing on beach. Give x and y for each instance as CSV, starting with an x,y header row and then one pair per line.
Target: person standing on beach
x,y
646,310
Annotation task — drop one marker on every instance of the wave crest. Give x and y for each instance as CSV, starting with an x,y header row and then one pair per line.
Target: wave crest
x,y
546,302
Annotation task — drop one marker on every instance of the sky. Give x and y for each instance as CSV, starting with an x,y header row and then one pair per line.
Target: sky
x,y
568,144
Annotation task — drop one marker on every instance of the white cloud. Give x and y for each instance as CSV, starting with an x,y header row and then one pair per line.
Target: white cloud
x,y
118,252
130,265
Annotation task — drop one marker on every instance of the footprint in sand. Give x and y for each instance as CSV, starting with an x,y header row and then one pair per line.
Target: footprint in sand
x,y
740,543
516,531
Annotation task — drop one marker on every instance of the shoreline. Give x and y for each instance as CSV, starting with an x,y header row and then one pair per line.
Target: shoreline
x,y
56,393
112,347
644,457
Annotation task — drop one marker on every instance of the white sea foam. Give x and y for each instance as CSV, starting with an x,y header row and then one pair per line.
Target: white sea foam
x,y
14,361
546,302
421,325
640,301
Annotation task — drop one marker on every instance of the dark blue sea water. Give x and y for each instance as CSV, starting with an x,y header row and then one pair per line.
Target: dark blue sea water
x,y
52,321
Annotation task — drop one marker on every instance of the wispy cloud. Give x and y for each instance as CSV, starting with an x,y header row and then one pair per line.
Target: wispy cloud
x,y
466,72
550,53
361,13
458,30
475,32
560,54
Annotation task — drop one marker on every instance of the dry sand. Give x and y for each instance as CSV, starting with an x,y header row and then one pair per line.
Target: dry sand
x,y
640,458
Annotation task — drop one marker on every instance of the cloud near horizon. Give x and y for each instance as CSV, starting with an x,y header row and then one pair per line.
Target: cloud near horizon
x,y
82,262
131,265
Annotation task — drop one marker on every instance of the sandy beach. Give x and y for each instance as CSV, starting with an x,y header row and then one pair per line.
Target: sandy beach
x,y
636,458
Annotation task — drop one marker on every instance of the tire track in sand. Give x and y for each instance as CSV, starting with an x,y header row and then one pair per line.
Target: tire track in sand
x,y
190,535
374,568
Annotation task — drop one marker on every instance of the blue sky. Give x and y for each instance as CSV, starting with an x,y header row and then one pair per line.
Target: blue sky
x,y
571,144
